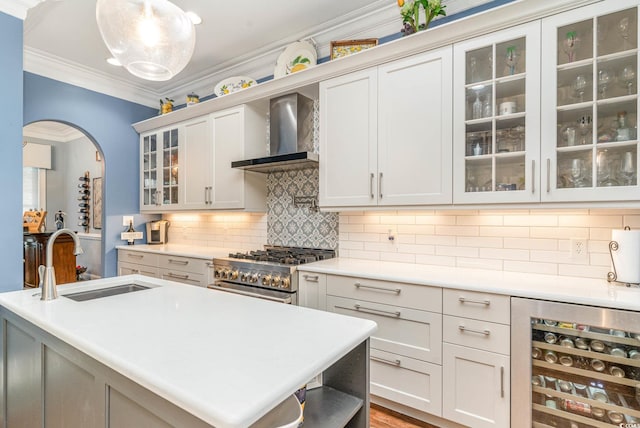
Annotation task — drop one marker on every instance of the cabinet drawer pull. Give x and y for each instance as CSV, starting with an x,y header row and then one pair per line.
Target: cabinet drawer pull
x,y
311,278
385,361
135,271
501,382
135,256
478,302
179,262
210,264
371,287
484,332
175,275
371,186
359,308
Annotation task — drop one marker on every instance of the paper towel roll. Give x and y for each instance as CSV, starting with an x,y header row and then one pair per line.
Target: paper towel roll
x,y
627,257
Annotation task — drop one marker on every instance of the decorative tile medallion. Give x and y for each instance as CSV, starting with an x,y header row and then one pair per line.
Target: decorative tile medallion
x,y
298,226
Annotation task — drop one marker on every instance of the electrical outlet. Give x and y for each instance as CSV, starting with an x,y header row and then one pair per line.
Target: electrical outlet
x,y
126,219
579,250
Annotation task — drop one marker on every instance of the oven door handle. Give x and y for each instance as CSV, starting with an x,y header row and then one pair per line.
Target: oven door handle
x,y
286,300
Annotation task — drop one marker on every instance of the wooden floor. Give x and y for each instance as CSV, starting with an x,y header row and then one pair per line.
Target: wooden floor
x,y
385,418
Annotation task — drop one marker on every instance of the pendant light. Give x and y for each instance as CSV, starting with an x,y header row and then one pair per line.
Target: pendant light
x,y
152,39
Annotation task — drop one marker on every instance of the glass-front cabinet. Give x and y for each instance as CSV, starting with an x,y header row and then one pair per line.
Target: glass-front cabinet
x,y
590,103
160,165
496,117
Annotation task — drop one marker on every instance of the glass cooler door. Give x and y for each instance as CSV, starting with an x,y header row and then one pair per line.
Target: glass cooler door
x,y
574,366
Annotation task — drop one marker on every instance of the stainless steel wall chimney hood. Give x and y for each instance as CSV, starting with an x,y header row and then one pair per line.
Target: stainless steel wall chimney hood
x,y
291,137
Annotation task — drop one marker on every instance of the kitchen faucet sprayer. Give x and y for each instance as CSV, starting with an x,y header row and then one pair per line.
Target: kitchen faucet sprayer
x,y
47,273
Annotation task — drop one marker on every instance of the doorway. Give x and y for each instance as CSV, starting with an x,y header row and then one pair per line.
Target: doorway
x,y
63,172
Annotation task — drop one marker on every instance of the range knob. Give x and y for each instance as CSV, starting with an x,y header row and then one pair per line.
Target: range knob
x,y
226,274
266,280
217,273
253,278
275,282
233,275
286,282
244,276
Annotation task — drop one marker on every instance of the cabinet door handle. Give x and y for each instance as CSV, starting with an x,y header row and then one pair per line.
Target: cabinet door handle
x,y
548,175
135,256
533,176
484,332
175,275
380,185
371,186
206,195
311,278
478,302
385,361
210,195
179,262
501,382
371,287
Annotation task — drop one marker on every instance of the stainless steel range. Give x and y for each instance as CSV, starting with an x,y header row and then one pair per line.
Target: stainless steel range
x,y
267,274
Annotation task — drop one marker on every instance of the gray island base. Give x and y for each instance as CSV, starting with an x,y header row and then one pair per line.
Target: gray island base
x,y
48,381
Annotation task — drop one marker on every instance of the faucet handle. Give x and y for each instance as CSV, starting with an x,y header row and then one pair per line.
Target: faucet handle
x,y
41,270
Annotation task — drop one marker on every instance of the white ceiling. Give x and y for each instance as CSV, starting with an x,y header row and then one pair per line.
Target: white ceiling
x,y
62,40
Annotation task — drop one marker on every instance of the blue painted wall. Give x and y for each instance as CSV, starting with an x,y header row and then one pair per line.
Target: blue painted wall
x,y
11,152
107,121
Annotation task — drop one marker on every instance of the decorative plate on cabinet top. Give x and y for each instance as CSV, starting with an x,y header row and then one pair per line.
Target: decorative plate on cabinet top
x,y
233,84
296,57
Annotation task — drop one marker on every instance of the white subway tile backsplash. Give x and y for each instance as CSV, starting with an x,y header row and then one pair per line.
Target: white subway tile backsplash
x,y
436,240
480,241
457,251
531,244
435,219
505,231
478,263
560,232
480,220
417,249
609,221
426,259
531,220
458,230
398,257
504,254
531,267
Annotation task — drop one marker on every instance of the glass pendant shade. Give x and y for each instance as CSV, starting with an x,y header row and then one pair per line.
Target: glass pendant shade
x,y
152,39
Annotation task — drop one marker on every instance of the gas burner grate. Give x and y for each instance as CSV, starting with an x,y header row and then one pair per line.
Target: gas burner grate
x,y
286,255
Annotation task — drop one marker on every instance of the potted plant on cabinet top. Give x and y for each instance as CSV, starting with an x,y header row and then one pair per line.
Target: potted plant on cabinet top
x,y
410,12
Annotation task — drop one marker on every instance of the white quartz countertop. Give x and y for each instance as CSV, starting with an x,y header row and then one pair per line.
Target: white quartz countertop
x,y
585,291
225,358
181,250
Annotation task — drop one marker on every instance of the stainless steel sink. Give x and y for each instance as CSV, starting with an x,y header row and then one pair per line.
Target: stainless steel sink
x,y
81,296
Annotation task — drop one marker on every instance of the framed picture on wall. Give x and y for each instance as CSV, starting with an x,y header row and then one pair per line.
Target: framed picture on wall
x,y
97,203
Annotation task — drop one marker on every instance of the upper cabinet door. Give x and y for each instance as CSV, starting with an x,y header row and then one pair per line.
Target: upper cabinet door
x,y
414,130
196,149
160,170
348,140
590,103
149,193
228,145
496,125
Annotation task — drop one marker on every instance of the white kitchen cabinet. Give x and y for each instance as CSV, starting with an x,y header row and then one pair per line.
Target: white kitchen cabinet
x,y
475,358
497,117
590,105
406,350
188,270
188,167
159,169
312,290
137,262
385,134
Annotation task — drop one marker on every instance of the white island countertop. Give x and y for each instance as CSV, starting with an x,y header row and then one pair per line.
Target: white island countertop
x,y
226,359
594,292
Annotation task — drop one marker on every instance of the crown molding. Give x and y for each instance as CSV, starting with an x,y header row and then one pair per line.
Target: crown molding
x,y
17,8
35,130
56,68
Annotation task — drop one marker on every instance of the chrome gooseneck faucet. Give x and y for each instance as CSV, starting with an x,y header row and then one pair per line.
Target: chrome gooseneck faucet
x,y
48,274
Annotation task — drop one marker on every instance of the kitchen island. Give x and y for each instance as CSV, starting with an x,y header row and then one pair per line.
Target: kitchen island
x,y
175,355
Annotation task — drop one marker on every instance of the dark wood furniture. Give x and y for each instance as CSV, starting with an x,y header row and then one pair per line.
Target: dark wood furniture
x,y
35,254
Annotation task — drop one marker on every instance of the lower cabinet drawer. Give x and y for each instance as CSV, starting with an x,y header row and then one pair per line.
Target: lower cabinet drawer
x,y
125,268
184,277
184,264
403,331
407,381
138,257
483,335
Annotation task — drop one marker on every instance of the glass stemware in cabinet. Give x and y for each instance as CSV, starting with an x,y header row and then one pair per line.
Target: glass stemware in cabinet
x,y
605,178
627,170
476,107
570,45
577,173
511,59
579,86
584,127
623,28
628,78
604,78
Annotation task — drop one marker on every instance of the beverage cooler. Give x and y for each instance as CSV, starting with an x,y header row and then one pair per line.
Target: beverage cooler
x,y
574,366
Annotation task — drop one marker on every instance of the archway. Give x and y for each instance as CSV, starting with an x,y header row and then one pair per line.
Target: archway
x,y
63,168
